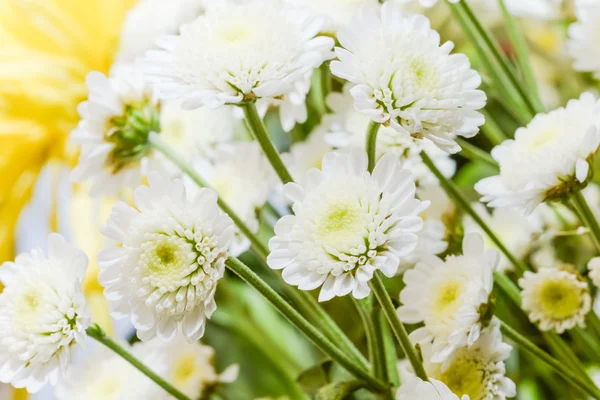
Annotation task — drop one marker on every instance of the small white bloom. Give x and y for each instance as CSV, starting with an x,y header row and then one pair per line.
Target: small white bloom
x,y
433,390
241,175
167,256
307,154
347,224
582,40
547,159
150,19
514,230
456,289
42,314
338,13
594,271
405,78
259,49
116,120
556,299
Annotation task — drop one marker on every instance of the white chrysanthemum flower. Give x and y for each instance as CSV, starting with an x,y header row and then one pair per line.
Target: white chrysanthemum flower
x,y
348,128
339,13
432,390
406,79
515,230
190,367
582,45
477,371
241,175
168,255
113,132
104,375
555,298
307,154
547,159
150,19
259,49
348,224
42,314
431,242
594,271
456,290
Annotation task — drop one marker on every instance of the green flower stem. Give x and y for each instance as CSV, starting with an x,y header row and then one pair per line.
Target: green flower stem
x,y
307,304
550,361
389,351
98,334
587,216
375,356
492,130
594,322
474,153
399,330
320,340
463,203
262,137
371,143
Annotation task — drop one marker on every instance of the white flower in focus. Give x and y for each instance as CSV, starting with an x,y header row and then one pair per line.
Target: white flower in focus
x,y
167,256
104,375
556,299
307,154
241,175
116,120
42,314
547,159
514,230
348,128
347,225
259,49
582,43
338,13
405,78
150,19
594,271
431,390
456,290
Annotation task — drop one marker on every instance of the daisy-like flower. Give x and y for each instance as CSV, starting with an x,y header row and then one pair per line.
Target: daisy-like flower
x,y
241,175
348,224
555,298
404,78
167,255
548,159
581,43
259,49
116,120
42,314
140,29
347,128
338,13
416,388
307,154
104,375
453,312
515,230
477,371
594,271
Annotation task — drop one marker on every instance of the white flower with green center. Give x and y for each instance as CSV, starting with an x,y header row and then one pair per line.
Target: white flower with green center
x,y
458,291
555,298
546,160
167,255
42,314
241,175
116,120
583,37
432,390
348,224
259,49
404,78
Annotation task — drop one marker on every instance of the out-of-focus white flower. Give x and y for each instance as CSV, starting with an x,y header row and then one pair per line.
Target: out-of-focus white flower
x,y
432,390
582,45
104,375
307,154
347,225
241,175
546,10
167,255
116,120
547,159
555,298
42,314
150,19
456,290
338,13
594,271
406,79
426,3
515,230
348,128
255,50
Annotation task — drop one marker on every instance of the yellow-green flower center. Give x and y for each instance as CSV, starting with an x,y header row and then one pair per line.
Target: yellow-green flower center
x,y
559,299
465,376
184,369
446,299
168,260
341,222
